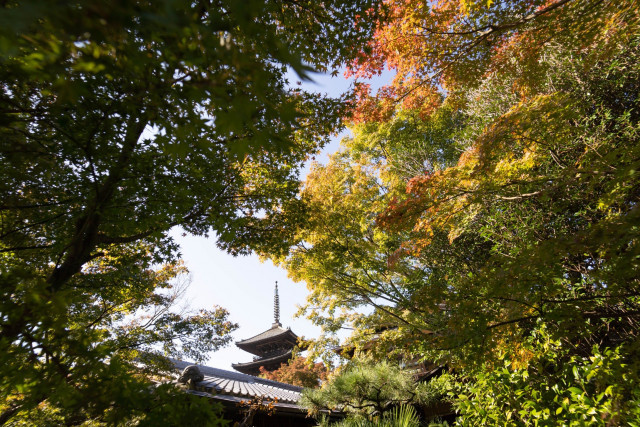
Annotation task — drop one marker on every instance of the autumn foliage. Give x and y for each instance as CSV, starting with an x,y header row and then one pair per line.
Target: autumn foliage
x,y
484,213
454,44
298,372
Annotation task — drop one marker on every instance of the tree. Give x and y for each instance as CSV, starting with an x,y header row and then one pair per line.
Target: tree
x,y
97,361
251,407
119,122
454,44
85,84
530,190
525,213
369,390
349,261
510,226
298,372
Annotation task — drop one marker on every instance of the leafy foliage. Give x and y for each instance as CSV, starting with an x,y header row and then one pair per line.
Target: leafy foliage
x,y
165,406
531,192
343,252
249,408
119,122
598,389
524,209
491,188
453,44
86,351
298,372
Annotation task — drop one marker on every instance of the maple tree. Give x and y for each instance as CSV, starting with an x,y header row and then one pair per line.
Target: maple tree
x,y
454,44
298,372
458,243
341,250
118,122
506,177
529,188
249,409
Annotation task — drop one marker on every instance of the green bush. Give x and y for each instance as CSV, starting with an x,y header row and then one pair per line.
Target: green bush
x,y
553,388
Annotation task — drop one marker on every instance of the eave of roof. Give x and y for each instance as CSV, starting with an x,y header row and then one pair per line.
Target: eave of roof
x,y
275,332
260,362
291,407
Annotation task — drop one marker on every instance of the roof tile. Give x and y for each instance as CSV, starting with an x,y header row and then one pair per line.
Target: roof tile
x,y
244,385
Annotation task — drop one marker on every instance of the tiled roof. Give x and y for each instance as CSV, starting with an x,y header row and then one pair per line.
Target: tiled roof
x,y
218,381
275,331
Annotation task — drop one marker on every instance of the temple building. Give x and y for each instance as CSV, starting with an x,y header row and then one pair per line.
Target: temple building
x,y
271,348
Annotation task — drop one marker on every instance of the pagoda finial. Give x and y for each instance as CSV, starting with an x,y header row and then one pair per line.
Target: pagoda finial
x,y
276,307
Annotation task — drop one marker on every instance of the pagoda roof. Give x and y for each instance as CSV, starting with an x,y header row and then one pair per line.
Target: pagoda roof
x,y
276,333
255,365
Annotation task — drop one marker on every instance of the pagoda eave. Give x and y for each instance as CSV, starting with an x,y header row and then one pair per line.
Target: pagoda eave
x,y
270,364
270,336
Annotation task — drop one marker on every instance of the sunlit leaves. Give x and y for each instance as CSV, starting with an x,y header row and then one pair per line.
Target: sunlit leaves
x,y
599,388
452,44
503,192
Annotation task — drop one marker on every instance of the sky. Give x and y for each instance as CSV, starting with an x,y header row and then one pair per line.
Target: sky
x,y
244,285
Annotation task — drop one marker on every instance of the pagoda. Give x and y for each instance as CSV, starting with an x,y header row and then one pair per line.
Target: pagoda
x,y
271,348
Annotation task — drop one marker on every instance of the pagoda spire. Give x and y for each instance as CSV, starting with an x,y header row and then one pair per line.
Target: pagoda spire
x,y
276,307
272,347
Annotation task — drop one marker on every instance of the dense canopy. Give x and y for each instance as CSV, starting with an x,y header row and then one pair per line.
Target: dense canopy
x,y
485,210
119,121
482,216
